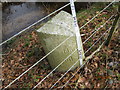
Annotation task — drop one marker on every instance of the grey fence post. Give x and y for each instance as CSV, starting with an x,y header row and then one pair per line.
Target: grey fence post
x,y
76,27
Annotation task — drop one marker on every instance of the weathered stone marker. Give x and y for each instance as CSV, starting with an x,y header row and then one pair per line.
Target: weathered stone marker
x,y
53,33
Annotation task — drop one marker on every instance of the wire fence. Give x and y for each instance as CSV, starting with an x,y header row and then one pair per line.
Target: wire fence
x,y
74,51
61,45
76,62
34,24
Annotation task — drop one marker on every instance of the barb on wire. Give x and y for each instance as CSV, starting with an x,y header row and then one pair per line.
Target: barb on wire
x,y
78,60
86,61
34,24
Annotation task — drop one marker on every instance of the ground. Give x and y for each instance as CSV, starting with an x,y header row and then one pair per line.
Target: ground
x,y
102,70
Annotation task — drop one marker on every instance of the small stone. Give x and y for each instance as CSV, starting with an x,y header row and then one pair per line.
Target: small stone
x,y
110,64
20,59
110,81
110,72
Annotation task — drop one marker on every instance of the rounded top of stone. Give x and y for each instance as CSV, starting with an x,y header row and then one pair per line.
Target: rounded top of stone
x,y
61,24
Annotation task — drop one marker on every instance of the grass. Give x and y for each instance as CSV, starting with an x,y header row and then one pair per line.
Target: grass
x,y
84,13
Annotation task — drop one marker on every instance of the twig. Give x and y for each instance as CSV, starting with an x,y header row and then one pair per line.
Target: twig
x,y
89,57
46,8
22,66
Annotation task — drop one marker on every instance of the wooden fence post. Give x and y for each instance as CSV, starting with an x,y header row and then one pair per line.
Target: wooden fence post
x,y
113,26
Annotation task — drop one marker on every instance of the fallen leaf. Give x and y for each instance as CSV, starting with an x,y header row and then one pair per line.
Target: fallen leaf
x,y
96,58
95,64
12,62
81,79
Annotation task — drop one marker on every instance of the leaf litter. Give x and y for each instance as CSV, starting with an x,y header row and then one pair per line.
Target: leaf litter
x,y
26,50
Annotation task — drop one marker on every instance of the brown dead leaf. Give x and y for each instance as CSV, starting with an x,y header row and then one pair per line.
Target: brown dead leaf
x,y
88,19
96,58
109,52
95,64
81,79
16,64
12,62
73,79
98,85
87,84
104,12
90,76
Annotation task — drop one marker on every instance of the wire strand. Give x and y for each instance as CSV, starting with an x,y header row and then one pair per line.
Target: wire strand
x,y
78,60
98,14
47,17
98,29
55,68
84,63
72,52
37,62
54,48
34,24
